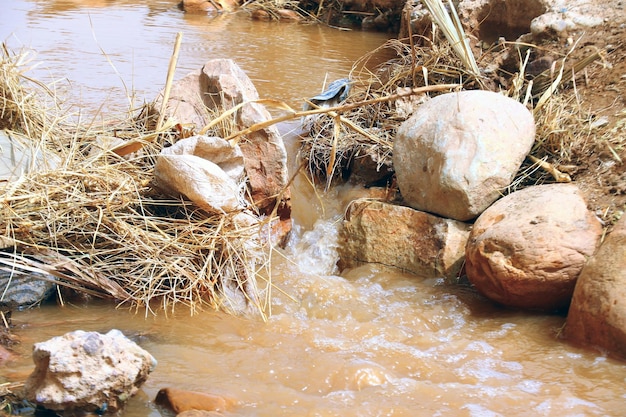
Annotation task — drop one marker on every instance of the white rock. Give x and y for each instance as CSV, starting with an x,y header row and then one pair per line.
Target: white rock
x,y
206,170
87,371
456,153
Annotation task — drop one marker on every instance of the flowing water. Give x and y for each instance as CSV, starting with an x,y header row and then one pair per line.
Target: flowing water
x,y
372,342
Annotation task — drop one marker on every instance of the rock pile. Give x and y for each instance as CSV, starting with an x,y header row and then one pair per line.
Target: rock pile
x,y
454,159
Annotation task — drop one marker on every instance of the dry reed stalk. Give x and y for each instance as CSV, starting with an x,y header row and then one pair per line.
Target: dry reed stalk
x,y
448,21
170,78
564,140
369,119
96,224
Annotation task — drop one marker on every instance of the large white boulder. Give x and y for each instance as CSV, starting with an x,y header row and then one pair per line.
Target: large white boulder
x,y
456,153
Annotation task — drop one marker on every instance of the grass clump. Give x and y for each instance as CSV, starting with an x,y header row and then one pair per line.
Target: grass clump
x,y
93,220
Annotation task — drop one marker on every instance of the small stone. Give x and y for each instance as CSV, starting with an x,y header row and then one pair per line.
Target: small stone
x,y
181,401
286,14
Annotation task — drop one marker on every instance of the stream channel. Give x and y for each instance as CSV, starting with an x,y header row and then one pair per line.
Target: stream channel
x,y
371,342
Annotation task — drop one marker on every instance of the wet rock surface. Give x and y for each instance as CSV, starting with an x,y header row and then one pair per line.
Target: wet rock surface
x,y
398,236
25,290
183,401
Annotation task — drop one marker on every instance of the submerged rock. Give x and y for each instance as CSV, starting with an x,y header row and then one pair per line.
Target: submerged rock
x,y
597,315
398,236
181,401
207,6
527,249
87,371
456,153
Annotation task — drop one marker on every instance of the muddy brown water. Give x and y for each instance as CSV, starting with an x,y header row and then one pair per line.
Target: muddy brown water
x,y
371,342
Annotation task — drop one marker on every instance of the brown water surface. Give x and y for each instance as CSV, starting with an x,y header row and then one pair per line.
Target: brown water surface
x,y
373,342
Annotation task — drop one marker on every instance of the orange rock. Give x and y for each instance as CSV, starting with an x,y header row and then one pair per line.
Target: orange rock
x,y
197,6
597,315
200,413
180,400
260,14
527,250
5,355
286,14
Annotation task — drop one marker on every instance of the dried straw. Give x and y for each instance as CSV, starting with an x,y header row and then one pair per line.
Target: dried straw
x,y
96,224
565,133
369,118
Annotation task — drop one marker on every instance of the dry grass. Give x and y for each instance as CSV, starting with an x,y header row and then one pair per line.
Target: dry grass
x,y
94,221
332,144
566,133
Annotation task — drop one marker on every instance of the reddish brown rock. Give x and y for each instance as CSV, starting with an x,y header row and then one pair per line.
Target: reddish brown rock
x,y
180,401
528,248
260,14
200,413
197,6
208,6
597,315
399,236
286,14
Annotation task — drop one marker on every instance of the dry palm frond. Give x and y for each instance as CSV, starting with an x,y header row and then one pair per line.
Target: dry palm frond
x,y
95,223
450,25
